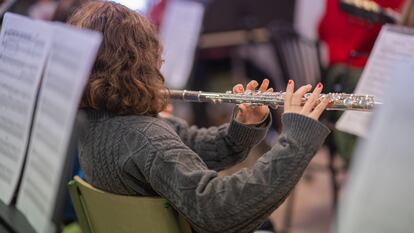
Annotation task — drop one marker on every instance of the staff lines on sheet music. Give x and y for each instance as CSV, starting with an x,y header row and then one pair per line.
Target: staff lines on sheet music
x,y
21,75
395,48
8,150
15,62
10,157
10,45
380,64
18,48
5,173
39,197
64,60
16,106
387,54
19,34
42,166
48,137
9,72
7,123
11,88
58,84
53,111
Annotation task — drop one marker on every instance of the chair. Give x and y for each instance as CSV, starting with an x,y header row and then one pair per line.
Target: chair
x,y
102,212
298,56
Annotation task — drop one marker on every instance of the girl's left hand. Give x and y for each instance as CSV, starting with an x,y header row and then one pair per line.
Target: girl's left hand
x,y
252,114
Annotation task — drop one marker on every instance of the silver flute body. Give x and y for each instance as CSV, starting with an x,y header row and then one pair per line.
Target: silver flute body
x,y
338,101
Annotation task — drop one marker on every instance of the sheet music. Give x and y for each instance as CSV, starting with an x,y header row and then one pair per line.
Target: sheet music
x,y
71,57
379,197
24,45
394,47
180,30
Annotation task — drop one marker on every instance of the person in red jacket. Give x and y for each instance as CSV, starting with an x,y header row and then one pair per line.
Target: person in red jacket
x,y
349,40
348,36
156,12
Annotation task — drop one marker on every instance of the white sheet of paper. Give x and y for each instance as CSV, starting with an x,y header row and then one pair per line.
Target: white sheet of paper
x,y
24,45
71,58
180,30
379,197
394,47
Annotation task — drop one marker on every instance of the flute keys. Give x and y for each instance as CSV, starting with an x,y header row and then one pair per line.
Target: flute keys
x,y
348,102
338,101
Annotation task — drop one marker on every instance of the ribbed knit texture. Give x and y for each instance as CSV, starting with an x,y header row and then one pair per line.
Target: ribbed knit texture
x,y
140,155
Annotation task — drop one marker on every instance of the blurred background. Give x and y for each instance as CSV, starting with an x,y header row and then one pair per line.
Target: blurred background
x,y
211,45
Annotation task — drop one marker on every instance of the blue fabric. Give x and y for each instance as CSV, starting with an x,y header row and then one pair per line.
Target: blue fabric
x,y
69,212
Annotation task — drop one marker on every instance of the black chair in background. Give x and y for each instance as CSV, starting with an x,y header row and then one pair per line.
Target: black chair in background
x,y
299,57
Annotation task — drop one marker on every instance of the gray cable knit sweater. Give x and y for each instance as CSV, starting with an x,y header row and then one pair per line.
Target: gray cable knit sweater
x,y
148,156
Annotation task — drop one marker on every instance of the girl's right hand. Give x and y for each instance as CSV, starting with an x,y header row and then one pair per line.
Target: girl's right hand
x,y
312,108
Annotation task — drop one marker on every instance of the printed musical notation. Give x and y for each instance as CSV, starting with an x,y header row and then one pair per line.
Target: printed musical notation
x,y
393,49
71,57
24,45
43,69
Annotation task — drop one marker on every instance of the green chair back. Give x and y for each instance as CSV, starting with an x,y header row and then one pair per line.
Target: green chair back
x,y
102,212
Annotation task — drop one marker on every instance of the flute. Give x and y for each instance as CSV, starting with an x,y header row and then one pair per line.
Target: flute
x,y
338,101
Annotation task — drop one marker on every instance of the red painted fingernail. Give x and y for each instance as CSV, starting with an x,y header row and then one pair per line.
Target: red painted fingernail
x,y
290,82
319,85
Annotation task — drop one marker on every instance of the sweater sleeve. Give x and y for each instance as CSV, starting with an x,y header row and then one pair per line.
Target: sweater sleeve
x,y
236,203
222,146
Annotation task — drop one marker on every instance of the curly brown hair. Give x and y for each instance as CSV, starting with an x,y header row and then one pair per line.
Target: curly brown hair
x,y
126,77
